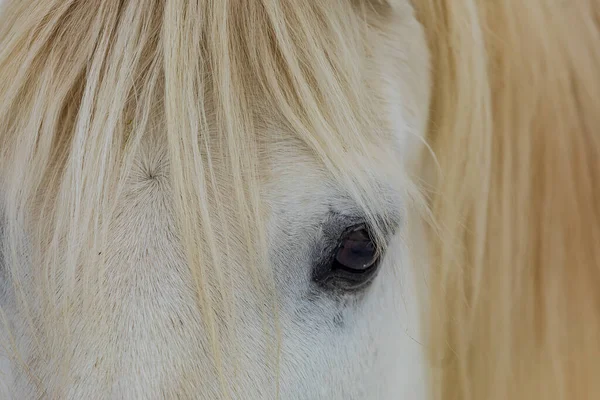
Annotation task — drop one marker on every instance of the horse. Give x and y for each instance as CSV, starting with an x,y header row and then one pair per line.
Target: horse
x,y
342,199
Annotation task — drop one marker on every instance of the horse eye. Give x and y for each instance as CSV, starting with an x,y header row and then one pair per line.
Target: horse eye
x,y
355,262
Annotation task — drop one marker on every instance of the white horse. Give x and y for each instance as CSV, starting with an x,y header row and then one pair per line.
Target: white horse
x,y
259,199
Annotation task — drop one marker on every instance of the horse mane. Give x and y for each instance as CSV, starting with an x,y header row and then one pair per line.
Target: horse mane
x,y
514,286
81,83
514,308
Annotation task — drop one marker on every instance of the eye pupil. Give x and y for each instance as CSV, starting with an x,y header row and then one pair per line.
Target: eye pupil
x,y
357,251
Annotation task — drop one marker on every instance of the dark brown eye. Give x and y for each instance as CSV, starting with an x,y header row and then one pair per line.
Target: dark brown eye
x,y
357,252
354,263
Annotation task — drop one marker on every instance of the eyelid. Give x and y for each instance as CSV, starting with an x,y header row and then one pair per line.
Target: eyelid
x,y
387,225
335,227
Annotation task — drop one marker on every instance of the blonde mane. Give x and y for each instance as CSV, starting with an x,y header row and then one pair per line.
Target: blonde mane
x,y
514,300
515,286
81,83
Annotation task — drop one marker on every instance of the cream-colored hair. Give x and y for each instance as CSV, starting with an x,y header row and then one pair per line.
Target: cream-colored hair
x,y
82,82
515,124
514,287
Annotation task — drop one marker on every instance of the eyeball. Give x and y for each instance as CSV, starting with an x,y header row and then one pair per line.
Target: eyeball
x,y
354,263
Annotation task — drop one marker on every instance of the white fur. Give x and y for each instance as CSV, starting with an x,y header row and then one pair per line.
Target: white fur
x,y
148,341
